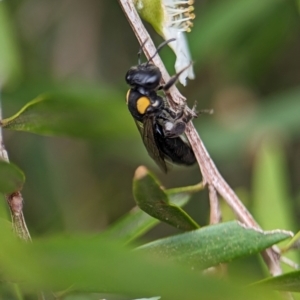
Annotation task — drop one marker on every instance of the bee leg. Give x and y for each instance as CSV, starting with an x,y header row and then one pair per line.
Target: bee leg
x,y
190,114
174,78
175,129
175,115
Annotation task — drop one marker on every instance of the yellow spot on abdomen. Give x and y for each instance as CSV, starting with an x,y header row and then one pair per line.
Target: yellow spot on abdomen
x,y
142,104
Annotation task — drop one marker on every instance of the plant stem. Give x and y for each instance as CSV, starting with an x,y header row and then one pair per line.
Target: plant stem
x,y
14,200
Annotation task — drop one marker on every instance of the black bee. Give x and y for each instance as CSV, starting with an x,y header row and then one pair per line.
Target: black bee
x,y
161,128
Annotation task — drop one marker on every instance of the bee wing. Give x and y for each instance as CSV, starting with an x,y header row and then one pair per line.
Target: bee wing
x,y
147,134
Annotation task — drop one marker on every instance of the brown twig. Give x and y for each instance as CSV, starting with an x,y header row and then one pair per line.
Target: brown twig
x,y
15,201
215,211
211,175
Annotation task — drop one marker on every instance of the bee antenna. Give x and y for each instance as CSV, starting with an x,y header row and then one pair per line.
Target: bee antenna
x,y
159,48
140,51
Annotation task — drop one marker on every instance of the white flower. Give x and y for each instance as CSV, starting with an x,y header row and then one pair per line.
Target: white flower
x,y
171,19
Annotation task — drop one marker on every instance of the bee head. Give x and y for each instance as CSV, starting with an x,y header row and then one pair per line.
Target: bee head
x,y
144,77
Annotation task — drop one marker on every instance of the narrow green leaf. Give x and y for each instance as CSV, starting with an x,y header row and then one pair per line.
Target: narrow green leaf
x,y
89,264
287,282
215,244
151,198
11,178
270,187
136,222
79,115
131,226
270,190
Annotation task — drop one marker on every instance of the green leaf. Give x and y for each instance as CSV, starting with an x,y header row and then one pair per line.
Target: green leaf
x,y
150,197
214,244
287,282
11,178
96,265
270,189
136,222
131,226
85,115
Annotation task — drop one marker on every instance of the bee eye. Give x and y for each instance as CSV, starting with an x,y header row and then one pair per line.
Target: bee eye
x,y
149,83
152,81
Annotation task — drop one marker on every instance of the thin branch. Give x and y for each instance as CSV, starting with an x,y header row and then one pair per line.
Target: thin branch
x,y
15,203
215,212
211,175
14,200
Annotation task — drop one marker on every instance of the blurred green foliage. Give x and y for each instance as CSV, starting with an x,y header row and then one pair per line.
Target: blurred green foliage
x,y
96,265
247,66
